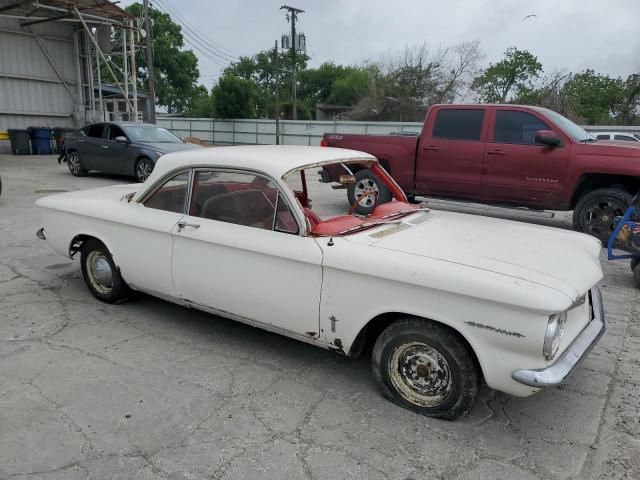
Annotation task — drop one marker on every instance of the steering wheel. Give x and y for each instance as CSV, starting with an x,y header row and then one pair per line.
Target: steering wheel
x,y
359,199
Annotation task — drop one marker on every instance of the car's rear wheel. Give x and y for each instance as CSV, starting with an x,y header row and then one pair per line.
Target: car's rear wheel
x,y
596,212
144,167
74,162
427,368
101,274
367,192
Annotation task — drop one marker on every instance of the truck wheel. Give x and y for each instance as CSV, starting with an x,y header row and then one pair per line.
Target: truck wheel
x,y
370,191
427,368
101,274
634,263
596,211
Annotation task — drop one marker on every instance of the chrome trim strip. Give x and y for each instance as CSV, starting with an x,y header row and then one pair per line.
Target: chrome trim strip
x,y
573,355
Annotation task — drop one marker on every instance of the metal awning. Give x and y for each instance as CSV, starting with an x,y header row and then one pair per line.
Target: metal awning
x,y
32,12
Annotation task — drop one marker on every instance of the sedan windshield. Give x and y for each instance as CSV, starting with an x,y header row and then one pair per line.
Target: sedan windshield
x,y
576,132
151,134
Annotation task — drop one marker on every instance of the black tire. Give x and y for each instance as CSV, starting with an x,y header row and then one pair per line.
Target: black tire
x,y
393,367
366,180
595,212
634,263
74,162
636,275
144,167
94,261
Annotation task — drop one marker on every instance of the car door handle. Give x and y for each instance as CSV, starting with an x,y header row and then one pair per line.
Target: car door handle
x,y
182,225
431,148
105,146
497,152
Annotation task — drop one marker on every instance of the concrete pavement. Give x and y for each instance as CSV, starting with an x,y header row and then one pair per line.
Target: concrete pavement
x,y
150,390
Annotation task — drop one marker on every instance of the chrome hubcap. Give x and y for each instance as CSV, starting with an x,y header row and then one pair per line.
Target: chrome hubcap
x,y
100,273
368,190
144,170
421,374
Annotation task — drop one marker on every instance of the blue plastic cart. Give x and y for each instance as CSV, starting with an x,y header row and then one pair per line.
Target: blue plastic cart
x,y
626,237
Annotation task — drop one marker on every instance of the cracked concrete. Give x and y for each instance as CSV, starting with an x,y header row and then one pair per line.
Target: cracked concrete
x,y
149,390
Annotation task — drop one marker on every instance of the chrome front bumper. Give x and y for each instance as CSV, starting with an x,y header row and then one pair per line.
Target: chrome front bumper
x,y
573,355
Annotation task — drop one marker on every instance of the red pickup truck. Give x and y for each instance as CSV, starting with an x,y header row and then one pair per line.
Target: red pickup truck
x,y
513,155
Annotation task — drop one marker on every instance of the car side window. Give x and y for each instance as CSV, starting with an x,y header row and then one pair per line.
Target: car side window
x,y
115,131
517,127
459,124
172,195
625,138
242,199
95,130
603,137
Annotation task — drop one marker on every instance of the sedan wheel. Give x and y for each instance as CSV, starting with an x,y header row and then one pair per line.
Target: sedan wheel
x,y
144,167
75,164
101,274
426,367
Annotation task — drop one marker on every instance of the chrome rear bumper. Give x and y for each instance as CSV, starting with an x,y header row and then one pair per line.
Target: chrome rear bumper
x,y
573,355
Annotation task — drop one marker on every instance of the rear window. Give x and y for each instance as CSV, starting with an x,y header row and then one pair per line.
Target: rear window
x,y
459,124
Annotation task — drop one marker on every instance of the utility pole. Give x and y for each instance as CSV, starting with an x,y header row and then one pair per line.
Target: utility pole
x,y
150,72
293,16
275,63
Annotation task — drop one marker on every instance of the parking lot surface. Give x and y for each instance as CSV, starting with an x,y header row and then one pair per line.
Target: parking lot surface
x,y
150,390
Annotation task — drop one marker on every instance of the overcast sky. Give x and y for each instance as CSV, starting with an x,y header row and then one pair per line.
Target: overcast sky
x,y
564,34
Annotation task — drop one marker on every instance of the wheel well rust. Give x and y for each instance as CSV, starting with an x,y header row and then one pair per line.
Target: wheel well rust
x,y
369,333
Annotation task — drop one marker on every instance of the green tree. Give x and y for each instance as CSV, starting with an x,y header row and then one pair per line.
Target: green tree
x,y
511,76
235,97
348,90
176,69
595,98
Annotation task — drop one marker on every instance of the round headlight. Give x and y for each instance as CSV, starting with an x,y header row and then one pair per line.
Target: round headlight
x,y
553,335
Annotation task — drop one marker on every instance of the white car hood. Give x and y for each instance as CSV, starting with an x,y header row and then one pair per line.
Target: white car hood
x,y
560,259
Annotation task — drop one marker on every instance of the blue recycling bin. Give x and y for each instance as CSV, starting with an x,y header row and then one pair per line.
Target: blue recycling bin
x,y
40,140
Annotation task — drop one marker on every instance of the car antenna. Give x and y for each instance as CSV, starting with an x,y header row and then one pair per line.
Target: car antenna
x,y
330,244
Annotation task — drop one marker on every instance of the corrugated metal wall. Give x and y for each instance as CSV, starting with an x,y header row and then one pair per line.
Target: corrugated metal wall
x,y
30,91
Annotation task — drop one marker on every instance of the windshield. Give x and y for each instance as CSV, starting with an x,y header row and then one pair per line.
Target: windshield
x,y
151,134
576,132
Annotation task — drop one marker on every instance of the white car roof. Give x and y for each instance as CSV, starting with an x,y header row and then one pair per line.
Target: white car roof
x,y
274,160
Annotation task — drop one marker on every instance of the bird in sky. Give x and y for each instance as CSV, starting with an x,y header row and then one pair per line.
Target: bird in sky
x,y
532,15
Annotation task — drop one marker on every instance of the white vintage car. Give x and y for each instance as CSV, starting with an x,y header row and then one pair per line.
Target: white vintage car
x,y
443,299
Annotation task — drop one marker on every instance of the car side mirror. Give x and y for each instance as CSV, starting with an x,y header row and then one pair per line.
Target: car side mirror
x,y
548,137
121,139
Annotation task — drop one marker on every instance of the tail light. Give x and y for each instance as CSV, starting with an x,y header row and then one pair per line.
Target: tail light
x,y
324,143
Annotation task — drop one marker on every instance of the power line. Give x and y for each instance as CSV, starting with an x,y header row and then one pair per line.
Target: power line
x,y
203,40
198,45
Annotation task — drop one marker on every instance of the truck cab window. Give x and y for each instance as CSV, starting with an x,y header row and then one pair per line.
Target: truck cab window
x,y
516,127
459,124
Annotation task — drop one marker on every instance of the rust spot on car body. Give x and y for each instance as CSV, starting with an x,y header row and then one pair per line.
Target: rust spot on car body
x,y
337,346
494,329
311,334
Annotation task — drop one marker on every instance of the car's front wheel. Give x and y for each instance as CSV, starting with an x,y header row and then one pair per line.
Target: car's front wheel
x,y
426,367
596,212
144,167
101,274
74,162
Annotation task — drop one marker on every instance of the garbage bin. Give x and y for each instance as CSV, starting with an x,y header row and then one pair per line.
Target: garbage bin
x,y
58,136
40,140
19,142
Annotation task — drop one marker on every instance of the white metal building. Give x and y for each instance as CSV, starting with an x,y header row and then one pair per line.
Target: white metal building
x,y
51,55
